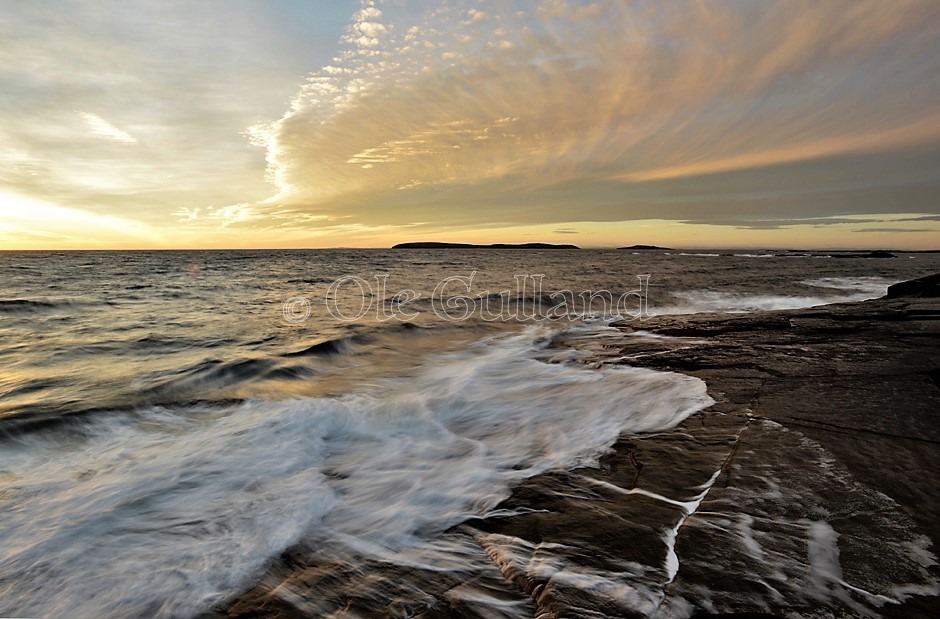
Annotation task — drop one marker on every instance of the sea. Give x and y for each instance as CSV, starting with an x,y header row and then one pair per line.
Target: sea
x,y
172,421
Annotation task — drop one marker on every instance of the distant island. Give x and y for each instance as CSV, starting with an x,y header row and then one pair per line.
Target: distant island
x,y
873,254
646,247
433,245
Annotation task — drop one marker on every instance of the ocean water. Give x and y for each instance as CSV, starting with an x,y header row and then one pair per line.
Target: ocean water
x,y
172,421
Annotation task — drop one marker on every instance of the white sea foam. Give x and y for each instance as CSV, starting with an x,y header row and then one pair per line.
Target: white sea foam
x,y
167,512
826,572
838,290
863,287
705,301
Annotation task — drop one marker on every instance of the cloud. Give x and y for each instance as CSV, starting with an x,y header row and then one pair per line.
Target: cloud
x,y
473,114
922,131
221,215
725,112
99,126
132,108
475,16
934,230
366,30
921,218
773,224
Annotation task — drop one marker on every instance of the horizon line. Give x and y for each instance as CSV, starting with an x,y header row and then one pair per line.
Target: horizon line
x,y
481,247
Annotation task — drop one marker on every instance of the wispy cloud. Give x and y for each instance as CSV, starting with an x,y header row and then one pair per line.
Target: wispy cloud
x,y
605,95
934,230
216,215
99,126
132,108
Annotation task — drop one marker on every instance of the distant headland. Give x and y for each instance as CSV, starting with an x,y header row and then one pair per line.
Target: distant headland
x,y
434,245
646,247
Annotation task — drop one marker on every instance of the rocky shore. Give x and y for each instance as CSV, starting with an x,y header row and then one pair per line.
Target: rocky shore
x,y
809,489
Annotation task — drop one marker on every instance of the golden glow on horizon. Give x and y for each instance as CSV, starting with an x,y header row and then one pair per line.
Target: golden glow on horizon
x,y
28,223
586,234
688,236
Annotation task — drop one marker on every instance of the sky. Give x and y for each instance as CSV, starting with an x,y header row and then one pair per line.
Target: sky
x,y
336,123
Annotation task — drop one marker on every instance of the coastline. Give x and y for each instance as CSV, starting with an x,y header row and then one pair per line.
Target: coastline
x,y
861,380
807,488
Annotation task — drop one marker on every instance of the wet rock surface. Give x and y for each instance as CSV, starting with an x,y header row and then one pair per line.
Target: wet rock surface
x,y
809,489
928,286
843,405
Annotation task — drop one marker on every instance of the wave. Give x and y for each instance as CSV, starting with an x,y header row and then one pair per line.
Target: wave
x,y
167,511
338,346
13,306
708,301
871,287
23,305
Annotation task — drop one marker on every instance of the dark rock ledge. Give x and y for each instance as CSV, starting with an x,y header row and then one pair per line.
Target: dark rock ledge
x,y
810,489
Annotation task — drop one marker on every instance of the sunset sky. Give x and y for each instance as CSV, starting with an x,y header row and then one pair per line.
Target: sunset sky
x,y
326,123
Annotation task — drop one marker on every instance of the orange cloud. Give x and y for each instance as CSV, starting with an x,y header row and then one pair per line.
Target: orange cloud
x,y
920,132
632,92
